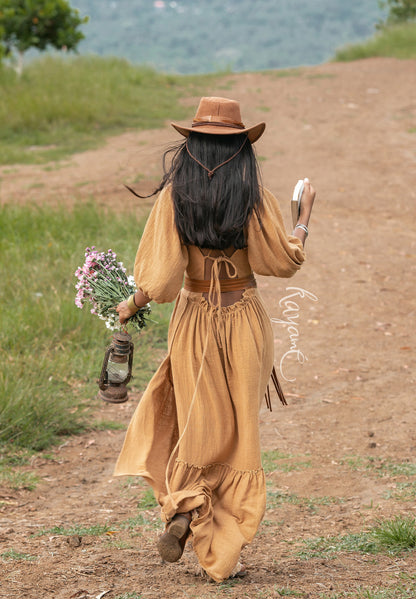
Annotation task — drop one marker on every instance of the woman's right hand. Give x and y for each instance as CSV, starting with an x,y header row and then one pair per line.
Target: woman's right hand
x,y
124,312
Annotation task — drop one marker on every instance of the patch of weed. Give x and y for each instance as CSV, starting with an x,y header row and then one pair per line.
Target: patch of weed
x,y
397,534
82,183
11,554
281,462
284,73
108,425
324,547
382,467
403,491
398,592
35,186
95,530
11,456
17,479
140,521
388,536
119,544
147,501
269,459
129,482
277,497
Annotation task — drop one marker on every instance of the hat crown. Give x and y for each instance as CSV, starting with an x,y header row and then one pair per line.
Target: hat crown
x,y
221,110
220,116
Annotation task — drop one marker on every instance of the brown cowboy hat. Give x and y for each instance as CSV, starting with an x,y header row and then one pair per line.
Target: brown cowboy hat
x,y
220,116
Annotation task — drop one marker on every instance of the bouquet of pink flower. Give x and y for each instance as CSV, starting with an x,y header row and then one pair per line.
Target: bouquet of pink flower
x,y
102,281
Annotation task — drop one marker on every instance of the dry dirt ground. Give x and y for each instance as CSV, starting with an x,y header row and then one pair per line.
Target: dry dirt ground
x,y
346,444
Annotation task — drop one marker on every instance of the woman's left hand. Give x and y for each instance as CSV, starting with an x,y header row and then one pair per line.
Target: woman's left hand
x,y
124,312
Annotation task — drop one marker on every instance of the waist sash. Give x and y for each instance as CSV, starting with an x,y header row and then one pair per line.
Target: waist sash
x,y
204,285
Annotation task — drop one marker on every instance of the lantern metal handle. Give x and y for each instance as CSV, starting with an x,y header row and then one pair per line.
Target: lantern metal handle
x,y
103,381
131,350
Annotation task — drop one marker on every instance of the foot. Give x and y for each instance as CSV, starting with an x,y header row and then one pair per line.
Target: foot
x,y
239,571
172,543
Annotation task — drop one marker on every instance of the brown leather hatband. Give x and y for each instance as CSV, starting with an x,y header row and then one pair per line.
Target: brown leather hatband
x,y
216,120
203,285
217,124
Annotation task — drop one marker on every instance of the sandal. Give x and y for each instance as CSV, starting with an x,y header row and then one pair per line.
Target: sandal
x,y
172,543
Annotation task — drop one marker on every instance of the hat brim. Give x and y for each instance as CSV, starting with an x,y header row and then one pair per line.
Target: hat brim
x,y
253,133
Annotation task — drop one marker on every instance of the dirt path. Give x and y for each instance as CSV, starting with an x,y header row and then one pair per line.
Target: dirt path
x,y
347,443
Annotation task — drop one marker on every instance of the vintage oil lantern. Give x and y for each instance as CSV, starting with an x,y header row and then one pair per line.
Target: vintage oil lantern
x,y
117,368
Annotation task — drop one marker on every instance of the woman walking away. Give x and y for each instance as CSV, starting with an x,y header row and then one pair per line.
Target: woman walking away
x,y
195,434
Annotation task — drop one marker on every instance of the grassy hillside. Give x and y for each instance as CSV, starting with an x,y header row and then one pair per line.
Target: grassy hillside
x,y
61,106
50,351
196,36
398,41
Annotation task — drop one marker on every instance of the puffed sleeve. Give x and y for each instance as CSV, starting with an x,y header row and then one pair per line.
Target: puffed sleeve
x,y
161,258
271,251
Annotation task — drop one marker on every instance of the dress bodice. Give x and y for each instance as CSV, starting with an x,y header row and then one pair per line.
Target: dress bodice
x,y
200,263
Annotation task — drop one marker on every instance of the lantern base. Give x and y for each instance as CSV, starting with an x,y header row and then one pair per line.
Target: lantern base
x,y
114,394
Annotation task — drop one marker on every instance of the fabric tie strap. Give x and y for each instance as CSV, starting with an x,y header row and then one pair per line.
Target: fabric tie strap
x,y
212,171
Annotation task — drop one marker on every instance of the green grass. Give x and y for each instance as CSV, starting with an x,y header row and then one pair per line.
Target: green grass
x,y
276,498
147,501
50,351
11,554
276,461
403,491
281,73
131,525
397,534
386,536
64,105
270,459
402,591
108,425
95,530
381,467
17,479
398,41
140,521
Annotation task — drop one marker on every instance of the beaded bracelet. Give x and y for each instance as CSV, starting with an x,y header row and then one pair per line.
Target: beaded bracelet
x,y
132,304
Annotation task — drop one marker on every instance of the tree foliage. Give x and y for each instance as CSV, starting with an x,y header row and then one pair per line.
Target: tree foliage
x,y
38,24
399,10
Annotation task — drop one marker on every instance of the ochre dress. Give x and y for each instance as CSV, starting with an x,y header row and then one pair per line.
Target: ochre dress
x,y
219,360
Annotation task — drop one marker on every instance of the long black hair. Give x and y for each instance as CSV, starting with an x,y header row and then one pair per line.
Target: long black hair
x,y
213,211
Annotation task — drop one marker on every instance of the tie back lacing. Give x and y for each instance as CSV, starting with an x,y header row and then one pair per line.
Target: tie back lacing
x,y
212,171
